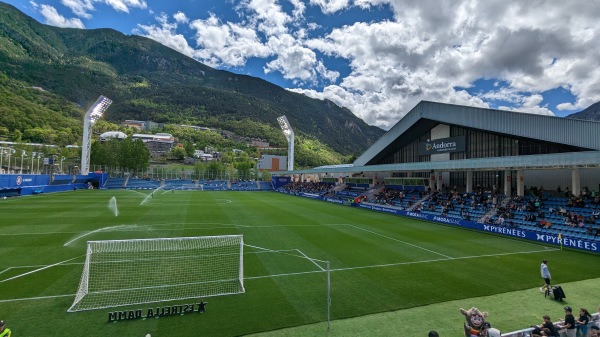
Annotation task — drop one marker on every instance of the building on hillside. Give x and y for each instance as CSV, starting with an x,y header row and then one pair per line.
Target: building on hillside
x,y
139,125
159,144
197,128
261,143
272,163
142,125
468,147
118,135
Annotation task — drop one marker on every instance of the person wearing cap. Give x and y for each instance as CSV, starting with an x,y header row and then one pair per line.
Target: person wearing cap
x,y
4,331
569,323
546,276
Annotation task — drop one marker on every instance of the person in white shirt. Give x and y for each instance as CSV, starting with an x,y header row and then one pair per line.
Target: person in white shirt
x,y
545,275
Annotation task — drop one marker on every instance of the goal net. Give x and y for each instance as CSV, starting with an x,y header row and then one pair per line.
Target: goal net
x,y
126,272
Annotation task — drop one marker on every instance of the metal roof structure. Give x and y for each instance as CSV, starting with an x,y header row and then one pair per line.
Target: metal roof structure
x,y
578,133
575,132
587,159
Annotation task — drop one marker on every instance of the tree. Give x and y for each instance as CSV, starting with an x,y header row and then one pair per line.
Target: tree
x,y
178,153
243,169
189,149
127,154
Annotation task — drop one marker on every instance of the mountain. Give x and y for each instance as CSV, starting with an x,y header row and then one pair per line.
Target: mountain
x,y
148,81
590,113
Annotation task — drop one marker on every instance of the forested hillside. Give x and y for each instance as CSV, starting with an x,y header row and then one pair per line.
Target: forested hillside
x,y
146,81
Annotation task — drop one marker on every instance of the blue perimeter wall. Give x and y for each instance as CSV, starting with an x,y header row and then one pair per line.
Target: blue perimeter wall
x,y
568,242
27,184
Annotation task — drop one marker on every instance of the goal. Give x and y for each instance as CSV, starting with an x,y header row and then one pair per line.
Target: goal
x,y
126,272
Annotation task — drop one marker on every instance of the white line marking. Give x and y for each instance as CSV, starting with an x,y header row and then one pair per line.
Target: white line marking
x,y
311,260
317,271
394,264
39,269
303,256
404,242
144,194
34,298
40,265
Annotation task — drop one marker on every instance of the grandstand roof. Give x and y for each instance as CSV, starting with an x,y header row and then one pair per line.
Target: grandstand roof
x,y
575,132
587,159
426,115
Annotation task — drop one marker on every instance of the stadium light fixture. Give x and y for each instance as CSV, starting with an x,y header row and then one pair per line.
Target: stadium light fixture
x,y
289,135
94,113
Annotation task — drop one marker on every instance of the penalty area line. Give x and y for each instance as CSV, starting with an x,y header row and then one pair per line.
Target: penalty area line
x,y
404,242
395,264
35,298
39,269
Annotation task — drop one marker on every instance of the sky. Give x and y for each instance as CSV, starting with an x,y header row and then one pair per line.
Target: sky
x,y
378,58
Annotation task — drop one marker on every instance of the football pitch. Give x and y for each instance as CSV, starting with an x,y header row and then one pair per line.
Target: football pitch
x,y
377,262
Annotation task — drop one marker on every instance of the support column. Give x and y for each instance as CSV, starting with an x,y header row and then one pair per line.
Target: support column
x,y
432,182
438,181
469,181
575,181
520,183
507,183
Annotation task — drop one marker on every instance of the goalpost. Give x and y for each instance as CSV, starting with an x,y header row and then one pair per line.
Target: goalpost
x,y
126,272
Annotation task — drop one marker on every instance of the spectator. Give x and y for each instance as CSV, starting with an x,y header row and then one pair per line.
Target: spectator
x,y
4,331
547,328
500,221
584,319
569,323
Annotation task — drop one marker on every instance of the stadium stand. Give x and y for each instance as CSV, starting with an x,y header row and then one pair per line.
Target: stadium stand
x,y
575,216
114,183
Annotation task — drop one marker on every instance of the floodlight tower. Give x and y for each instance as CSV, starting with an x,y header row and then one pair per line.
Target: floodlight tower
x,y
92,115
289,135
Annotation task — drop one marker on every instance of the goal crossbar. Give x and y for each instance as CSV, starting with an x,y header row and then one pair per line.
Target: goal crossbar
x,y
127,272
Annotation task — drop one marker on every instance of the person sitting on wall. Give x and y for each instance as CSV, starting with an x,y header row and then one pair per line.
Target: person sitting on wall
x,y
547,328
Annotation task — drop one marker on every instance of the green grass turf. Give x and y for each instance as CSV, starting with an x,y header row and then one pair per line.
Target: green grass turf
x,y
379,263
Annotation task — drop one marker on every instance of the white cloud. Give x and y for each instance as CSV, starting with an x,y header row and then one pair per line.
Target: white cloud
x,y
79,7
124,5
166,34
226,43
299,8
330,6
268,16
180,17
52,18
424,52
432,47
293,60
